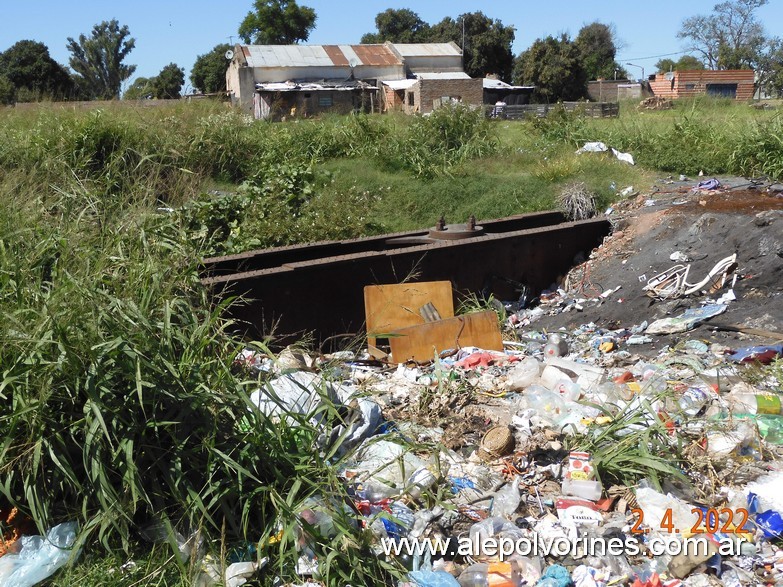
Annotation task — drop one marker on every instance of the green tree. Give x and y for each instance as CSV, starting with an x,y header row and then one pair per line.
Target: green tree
x,y
398,26
142,88
277,22
7,91
684,63
597,50
208,74
168,83
487,43
28,65
555,67
730,38
98,59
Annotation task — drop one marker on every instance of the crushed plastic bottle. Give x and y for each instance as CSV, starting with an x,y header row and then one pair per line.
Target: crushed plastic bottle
x,y
694,398
523,374
507,499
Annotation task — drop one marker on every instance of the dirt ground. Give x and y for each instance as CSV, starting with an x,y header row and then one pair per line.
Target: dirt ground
x,y
706,226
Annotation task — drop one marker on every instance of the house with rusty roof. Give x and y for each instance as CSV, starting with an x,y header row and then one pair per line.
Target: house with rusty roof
x,y
276,81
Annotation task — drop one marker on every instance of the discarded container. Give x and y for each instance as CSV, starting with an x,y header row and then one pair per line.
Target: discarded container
x,y
755,403
568,390
507,499
586,489
420,480
556,346
523,374
694,398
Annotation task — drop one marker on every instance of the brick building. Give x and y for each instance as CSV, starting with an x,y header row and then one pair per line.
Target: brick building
x,y
738,84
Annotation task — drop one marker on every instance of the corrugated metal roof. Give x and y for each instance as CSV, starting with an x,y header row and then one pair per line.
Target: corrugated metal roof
x,y
443,75
375,55
318,55
400,84
426,49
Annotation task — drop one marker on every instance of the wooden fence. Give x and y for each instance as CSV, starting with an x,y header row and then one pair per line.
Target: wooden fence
x,y
587,109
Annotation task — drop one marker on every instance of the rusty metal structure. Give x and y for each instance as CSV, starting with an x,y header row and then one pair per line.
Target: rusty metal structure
x,y
319,287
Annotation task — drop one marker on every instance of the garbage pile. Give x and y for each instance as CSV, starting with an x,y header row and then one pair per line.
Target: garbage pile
x,y
564,459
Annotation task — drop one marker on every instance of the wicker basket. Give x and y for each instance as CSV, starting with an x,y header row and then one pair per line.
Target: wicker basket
x,y
497,442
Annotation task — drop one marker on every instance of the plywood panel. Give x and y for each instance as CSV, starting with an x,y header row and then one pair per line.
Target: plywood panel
x,y
421,342
394,306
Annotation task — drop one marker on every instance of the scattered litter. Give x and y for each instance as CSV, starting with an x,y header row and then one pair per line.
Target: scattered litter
x,y
599,147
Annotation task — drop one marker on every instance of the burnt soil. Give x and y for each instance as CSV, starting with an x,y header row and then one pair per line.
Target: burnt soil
x,y
705,226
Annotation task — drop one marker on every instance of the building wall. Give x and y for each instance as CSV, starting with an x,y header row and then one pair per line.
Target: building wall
x,y
470,91
240,85
604,90
686,84
302,104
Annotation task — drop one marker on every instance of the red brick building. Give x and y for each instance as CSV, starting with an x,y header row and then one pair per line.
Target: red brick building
x,y
738,84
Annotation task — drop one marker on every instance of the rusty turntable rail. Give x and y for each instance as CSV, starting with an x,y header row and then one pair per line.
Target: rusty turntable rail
x,y
319,287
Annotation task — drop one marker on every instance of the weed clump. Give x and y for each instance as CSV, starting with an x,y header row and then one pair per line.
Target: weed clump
x,y
577,202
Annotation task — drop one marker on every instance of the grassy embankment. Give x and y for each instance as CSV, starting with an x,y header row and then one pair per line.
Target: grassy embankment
x,y
118,404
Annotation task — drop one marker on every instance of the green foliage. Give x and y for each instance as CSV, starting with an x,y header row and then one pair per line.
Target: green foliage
x,y
555,67
684,63
98,59
7,91
398,26
435,144
758,150
731,37
208,74
277,22
168,83
28,65
597,51
632,447
140,89
487,46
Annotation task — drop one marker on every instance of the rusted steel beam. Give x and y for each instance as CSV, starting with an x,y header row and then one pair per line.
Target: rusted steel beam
x,y
319,287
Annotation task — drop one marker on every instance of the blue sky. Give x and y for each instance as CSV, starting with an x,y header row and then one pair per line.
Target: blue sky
x,y
178,30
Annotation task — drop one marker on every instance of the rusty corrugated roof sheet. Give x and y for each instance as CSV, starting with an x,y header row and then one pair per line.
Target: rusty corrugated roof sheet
x,y
375,55
318,55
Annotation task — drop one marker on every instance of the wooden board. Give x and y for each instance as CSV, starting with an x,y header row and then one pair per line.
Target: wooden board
x,y
394,306
421,342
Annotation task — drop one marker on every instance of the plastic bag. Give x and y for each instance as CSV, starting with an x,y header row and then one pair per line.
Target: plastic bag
x,y
38,557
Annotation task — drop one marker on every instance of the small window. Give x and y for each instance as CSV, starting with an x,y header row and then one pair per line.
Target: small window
x,y
411,98
690,87
325,101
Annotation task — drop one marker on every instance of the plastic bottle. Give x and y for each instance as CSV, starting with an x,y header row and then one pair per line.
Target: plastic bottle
x,y
694,398
751,403
507,499
419,481
589,489
375,492
548,405
523,374
556,346
567,389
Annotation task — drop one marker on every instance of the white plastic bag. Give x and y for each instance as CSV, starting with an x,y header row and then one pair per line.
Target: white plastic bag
x,y
39,557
